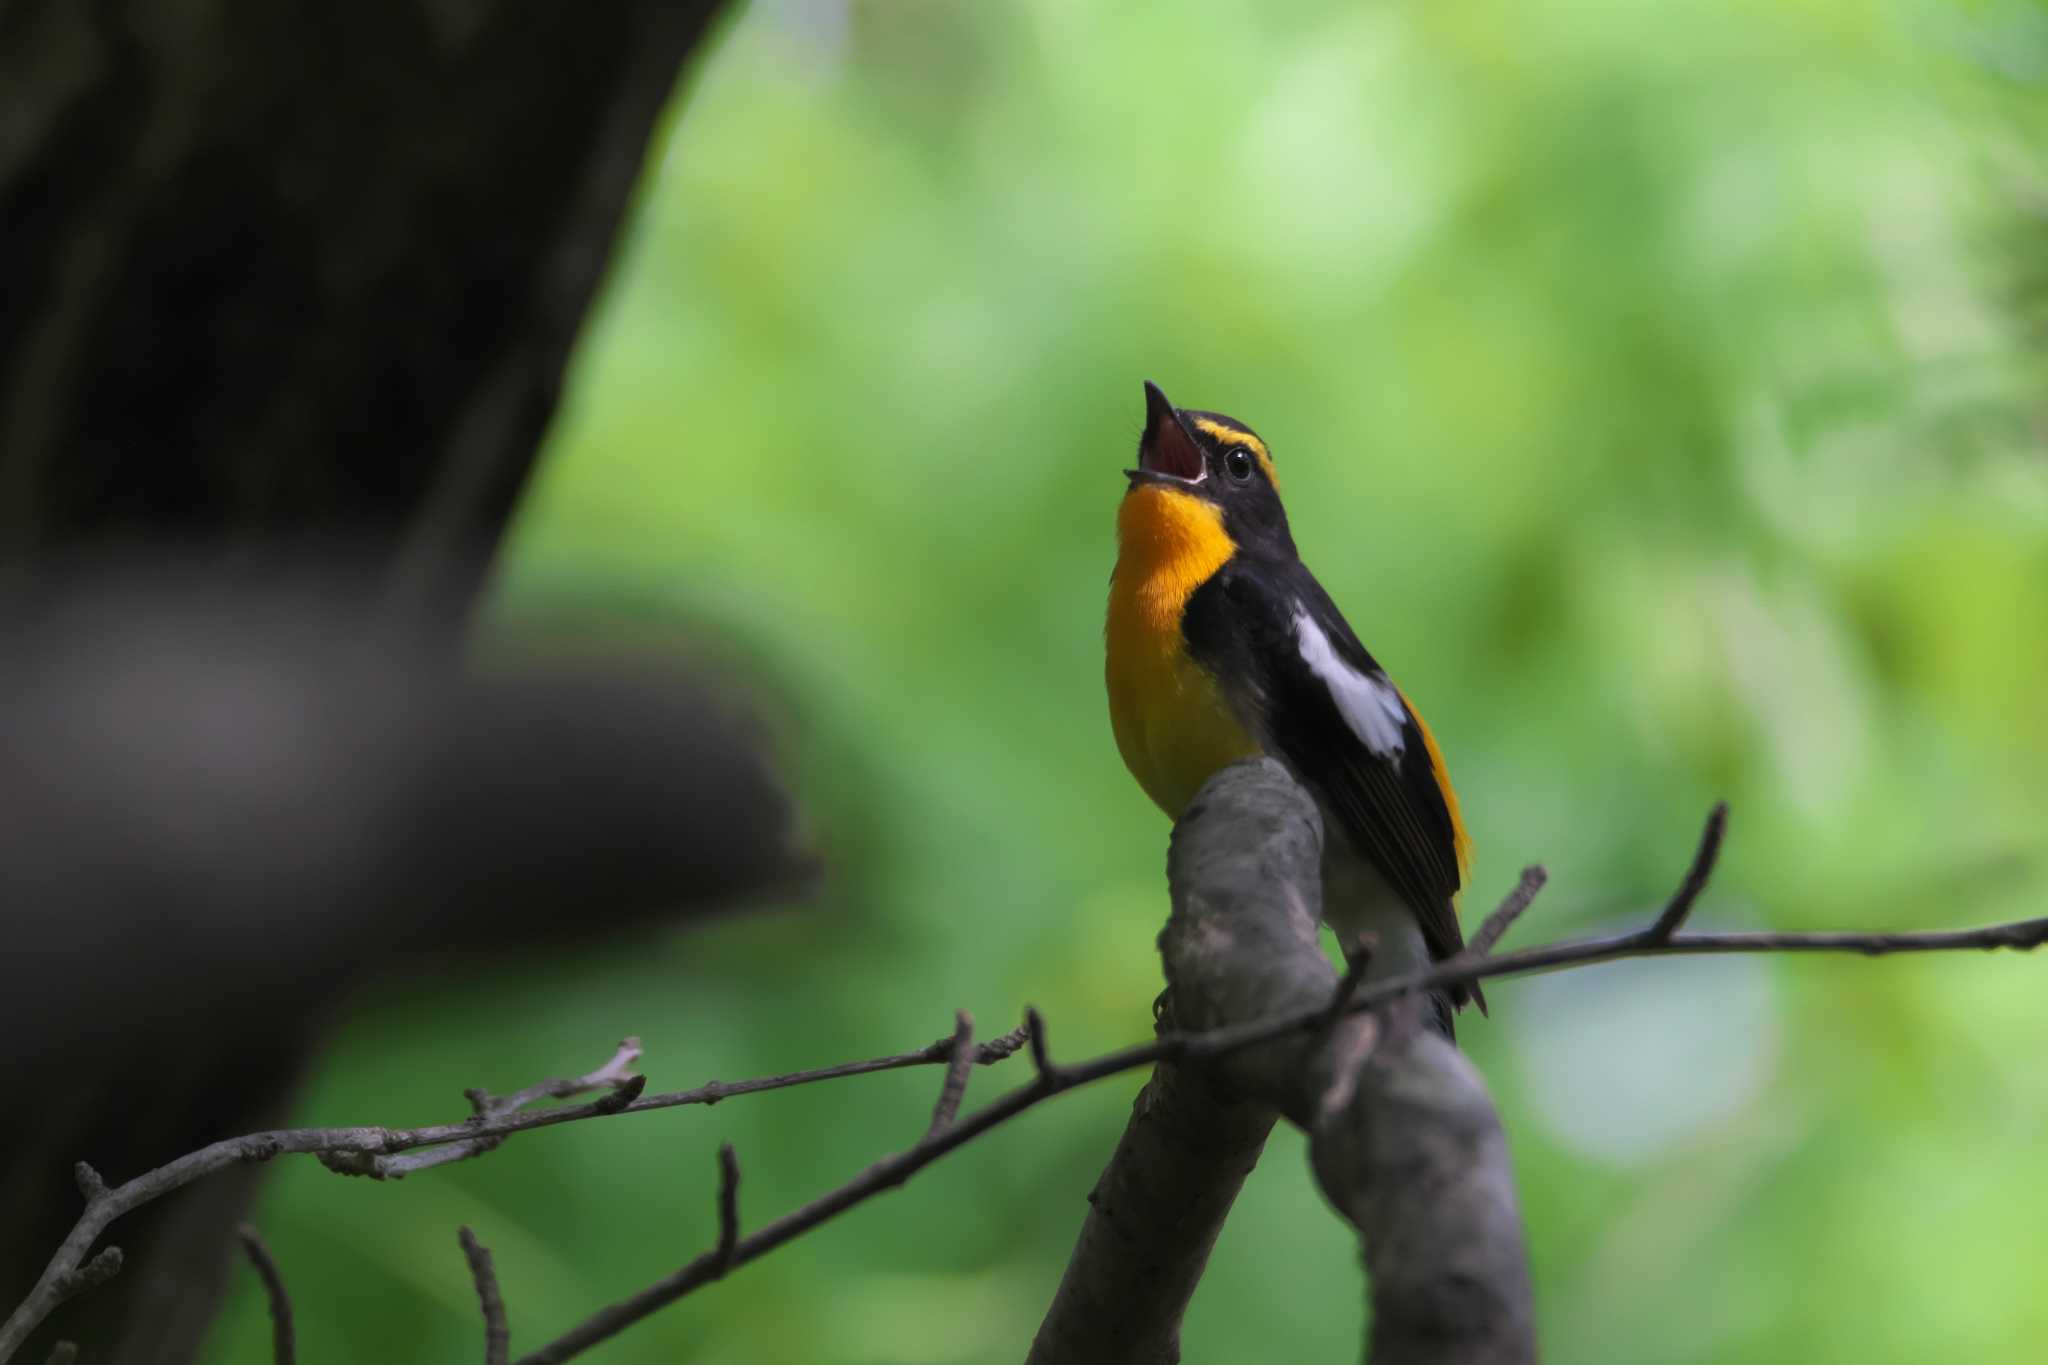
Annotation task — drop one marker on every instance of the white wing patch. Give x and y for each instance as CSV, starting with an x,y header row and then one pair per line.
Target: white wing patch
x,y
1369,705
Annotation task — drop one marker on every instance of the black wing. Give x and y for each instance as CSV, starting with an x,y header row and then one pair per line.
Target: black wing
x,y
1383,785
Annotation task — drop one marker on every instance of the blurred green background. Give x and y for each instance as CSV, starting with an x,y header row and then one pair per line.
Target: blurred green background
x,y
1660,390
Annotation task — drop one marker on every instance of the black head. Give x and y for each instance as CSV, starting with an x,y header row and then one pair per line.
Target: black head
x,y
1219,460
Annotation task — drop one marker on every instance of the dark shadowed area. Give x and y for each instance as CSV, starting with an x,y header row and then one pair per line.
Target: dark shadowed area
x,y
229,807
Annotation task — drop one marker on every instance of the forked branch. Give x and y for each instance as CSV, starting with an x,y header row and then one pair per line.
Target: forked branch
x,y
371,1150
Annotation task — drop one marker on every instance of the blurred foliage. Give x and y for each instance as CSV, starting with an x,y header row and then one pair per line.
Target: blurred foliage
x,y
1660,389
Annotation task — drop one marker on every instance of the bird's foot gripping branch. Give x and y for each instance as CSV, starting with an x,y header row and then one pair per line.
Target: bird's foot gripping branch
x,y
1402,1137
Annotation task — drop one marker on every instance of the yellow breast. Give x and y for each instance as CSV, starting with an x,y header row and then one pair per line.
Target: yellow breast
x,y
1172,725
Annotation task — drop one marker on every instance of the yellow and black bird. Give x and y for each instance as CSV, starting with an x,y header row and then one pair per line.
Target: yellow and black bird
x,y
1222,645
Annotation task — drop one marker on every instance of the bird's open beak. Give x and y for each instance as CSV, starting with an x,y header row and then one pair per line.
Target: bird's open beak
x,y
1168,452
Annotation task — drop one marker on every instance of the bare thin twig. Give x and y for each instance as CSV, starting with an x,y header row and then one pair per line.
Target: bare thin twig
x,y
64,1275
1497,924
347,1150
895,1170
957,1068
91,1275
63,1353
1002,1046
1041,1048
283,1346
616,1076
883,1175
1703,859
617,1072
728,1208
497,1331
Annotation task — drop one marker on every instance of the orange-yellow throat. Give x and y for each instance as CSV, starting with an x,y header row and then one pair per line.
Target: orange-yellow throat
x,y
1172,725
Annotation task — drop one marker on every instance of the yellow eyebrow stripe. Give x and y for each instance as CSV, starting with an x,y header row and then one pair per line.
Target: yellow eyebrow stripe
x,y
1237,436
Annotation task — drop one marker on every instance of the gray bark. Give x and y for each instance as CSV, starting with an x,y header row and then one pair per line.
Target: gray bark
x,y
1402,1136
1153,1218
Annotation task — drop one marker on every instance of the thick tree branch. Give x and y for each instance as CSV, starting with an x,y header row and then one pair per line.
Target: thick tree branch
x,y
1193,1136
1153,1219
1402,1136
1411,1152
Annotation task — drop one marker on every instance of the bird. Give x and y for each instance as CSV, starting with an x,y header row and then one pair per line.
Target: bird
x,y
1220,645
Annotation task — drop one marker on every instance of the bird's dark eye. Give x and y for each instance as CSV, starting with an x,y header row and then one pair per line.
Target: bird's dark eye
x,y
1239,464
